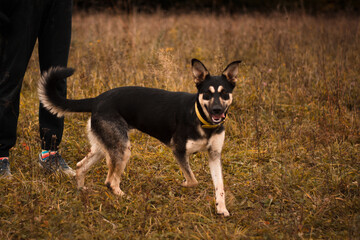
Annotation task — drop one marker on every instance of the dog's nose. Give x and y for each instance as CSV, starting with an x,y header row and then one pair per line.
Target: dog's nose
x,y
217,110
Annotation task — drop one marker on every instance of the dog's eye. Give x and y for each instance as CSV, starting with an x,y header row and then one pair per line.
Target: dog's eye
x,y
224,95
207,95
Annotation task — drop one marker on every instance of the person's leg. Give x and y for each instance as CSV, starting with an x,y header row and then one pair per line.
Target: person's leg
x,y
17,44
54,43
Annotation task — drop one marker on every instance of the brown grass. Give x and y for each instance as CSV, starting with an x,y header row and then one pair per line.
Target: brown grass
x,y
291,157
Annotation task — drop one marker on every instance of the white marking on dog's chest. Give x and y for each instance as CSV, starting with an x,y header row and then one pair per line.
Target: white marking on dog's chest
x,y
198,145
193,146
215,142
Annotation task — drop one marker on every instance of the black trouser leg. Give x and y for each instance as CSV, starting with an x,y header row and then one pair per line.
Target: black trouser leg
x,y
54,44
17,44
50,22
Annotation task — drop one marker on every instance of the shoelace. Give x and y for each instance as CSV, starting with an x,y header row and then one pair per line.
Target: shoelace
x,y
62,162
59,160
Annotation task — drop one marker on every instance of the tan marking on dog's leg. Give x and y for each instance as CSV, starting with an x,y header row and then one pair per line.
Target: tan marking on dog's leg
x,y
108,179
190,180
84,165
96,154
117,168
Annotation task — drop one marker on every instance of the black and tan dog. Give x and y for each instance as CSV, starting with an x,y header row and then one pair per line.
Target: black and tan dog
x,y
185,122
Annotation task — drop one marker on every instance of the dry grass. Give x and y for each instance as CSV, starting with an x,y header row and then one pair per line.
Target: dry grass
x,y
291,157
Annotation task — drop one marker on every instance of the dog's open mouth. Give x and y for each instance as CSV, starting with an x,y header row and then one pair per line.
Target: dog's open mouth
x,y
217,118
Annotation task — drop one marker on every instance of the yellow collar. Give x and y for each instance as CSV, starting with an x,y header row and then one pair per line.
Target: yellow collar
x,y
206,124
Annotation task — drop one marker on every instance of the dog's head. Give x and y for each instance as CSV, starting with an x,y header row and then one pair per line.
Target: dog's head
x,y
214,92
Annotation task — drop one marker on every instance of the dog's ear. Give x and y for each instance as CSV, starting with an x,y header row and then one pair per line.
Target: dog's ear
x,y
231,71
199,71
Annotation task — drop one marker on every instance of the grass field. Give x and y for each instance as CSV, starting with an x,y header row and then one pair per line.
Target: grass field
x,y
291,157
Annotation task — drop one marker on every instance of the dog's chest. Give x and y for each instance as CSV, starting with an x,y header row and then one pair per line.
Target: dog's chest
x,y
198,145
203,143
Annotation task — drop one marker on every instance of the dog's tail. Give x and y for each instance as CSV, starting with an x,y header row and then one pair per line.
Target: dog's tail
x,y
53,101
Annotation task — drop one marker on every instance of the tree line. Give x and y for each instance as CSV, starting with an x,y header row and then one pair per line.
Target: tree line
x,y
221,6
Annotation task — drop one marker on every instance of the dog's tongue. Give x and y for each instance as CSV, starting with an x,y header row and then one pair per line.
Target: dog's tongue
x,y
218,116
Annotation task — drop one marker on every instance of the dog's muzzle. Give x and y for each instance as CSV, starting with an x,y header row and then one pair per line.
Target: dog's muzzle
x,y
217,114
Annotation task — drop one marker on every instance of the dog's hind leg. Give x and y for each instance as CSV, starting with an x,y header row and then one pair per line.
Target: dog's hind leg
x,y
112,132
84,165
90,159
117,158
183,160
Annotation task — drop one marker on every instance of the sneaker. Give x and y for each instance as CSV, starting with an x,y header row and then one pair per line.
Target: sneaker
x,y
55,162
5,168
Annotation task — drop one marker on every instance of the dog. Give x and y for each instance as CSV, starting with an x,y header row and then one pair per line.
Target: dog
x,y
187,123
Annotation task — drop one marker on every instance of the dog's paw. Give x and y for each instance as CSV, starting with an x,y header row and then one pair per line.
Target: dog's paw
x,y
223,211
190,183
83,188
118,192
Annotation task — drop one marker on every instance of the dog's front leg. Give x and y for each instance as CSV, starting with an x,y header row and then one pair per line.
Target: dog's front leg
x,y
183,160
216,173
